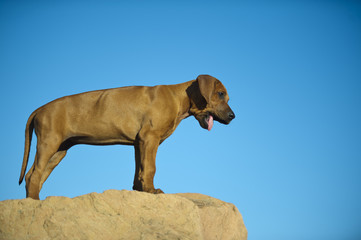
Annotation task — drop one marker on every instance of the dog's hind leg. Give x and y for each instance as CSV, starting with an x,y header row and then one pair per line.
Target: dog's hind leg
x,y
33,178
53,162
27,177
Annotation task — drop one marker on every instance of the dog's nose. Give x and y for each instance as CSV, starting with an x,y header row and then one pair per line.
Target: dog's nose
x,y
231,115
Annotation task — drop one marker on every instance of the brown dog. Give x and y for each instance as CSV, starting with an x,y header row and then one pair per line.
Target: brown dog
x,y
139,116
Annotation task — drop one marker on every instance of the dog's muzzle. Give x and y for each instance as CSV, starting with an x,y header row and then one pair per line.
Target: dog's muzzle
x,y
231,116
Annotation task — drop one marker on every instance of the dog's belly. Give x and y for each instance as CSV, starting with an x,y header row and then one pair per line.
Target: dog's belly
x,y
93,140
102,134
98,141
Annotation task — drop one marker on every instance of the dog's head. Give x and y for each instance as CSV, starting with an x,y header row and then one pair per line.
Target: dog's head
x,y
209,101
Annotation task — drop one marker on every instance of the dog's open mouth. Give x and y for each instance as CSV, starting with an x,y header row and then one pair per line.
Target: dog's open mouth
x,y
206,120
209,121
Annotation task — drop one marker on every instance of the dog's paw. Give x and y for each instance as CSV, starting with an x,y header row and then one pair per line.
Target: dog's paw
x,y
158,191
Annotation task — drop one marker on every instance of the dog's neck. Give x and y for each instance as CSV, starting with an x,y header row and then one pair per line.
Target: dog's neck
x,y
183,91
196,101
190,99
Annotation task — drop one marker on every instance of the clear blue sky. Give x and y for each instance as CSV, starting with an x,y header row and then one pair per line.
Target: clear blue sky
x,y
290,161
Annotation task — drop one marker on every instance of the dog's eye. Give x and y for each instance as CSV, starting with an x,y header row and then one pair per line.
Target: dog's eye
x,y
221,95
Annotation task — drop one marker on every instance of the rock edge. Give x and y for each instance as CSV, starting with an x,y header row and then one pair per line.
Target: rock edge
x,y
123,214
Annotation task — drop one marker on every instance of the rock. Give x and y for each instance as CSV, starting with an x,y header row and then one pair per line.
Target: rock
x,y
121,215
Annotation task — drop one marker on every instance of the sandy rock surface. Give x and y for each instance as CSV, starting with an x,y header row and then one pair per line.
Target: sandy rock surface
x,y
121,215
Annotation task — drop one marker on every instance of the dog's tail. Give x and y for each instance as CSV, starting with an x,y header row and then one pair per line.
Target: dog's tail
x,y
28,136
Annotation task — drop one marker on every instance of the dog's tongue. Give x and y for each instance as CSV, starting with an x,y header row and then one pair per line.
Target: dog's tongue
x,y
210,122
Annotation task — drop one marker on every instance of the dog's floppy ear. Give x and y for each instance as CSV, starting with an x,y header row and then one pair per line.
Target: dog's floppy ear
x,y
206,86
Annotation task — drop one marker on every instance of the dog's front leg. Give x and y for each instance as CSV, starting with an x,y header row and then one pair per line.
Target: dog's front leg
x,y
145,154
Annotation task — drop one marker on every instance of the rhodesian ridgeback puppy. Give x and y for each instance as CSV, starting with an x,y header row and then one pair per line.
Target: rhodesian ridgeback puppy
x,y
140,116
